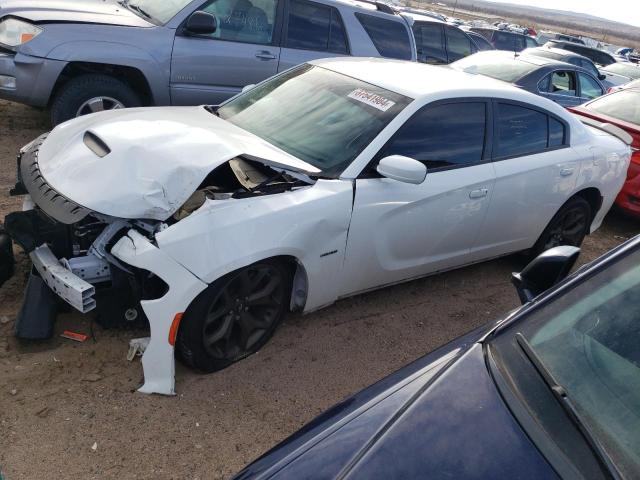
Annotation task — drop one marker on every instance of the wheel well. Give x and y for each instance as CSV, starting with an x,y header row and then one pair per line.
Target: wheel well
x,y
593,196
299,281
132,76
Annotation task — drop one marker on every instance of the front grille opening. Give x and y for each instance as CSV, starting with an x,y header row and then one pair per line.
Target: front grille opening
x,y
96,145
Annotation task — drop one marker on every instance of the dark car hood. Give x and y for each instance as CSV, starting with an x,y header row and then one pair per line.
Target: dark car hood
x,y
448,422
107,12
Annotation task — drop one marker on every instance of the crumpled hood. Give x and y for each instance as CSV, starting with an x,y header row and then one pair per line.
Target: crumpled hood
x,y
107,12
157,157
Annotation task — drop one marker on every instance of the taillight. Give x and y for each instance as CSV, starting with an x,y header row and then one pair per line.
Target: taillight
x,y
634,166
610,90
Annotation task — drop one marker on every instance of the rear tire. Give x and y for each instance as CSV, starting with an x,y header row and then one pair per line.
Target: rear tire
x,y
568,227
234,317
90,94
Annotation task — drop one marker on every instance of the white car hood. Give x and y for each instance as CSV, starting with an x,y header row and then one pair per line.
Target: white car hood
x,y
158,157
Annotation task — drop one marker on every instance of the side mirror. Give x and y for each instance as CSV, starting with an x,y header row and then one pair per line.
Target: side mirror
x,y
248,87
545,271
402,169
602,76
201,23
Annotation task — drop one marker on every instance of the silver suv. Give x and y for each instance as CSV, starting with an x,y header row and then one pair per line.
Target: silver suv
x,y
82,57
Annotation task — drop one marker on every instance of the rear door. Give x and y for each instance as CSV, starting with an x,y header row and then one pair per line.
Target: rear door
x,y
312,30
536,172
398,230
430,44
208,69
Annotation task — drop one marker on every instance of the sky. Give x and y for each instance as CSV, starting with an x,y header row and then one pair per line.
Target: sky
x,y
627,11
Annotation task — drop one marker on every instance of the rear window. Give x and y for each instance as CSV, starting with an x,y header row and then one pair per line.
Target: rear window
x,y
501,69
623,105
390,38
508,41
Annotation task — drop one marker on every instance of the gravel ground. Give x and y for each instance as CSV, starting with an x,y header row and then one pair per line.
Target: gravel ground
x,y
59,398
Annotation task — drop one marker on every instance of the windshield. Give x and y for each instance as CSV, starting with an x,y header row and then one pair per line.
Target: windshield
x,y
623,105
499,68
631,71
160,11
319,116
589,341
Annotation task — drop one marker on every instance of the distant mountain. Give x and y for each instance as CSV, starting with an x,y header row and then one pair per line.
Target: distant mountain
x,y
599,28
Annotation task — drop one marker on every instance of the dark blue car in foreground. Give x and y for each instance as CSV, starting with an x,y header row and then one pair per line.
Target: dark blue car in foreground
x,y
552,391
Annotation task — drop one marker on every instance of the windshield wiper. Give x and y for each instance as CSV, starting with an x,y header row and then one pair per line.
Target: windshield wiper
x,y
136,8
563,397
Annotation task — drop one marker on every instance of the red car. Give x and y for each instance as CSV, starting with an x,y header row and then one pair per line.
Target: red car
x,y
622,109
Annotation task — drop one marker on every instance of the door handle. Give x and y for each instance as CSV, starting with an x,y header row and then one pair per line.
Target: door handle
x,y
566,172
481,192
265,55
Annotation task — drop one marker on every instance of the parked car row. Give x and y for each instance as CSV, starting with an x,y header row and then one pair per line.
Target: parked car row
x,y
79,58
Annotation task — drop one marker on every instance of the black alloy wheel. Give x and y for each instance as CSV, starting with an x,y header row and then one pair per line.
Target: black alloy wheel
x,y
234,317
568,227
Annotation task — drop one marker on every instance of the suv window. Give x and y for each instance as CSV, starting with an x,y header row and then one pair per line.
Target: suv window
x,y
243,20
429,42
530,42
313,26
589,88
521,131
458,44
390,38
443,135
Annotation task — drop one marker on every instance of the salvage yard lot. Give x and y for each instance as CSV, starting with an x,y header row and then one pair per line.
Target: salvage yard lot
x,y
59,398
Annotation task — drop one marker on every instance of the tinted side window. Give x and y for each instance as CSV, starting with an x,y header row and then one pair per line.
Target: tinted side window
x,y
587,65
557,133
589,88
390,38
313,26
521,131
244,21
458,44
429,42
443,135
504,41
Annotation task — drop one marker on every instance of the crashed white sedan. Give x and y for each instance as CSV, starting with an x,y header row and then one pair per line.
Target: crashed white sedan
x,y
330,179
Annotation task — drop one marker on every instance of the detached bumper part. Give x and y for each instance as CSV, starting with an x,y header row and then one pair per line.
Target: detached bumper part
x,y
158,361
37,315
71,288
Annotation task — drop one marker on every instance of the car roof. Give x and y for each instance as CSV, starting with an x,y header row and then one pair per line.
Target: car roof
x,y
417,80
558,51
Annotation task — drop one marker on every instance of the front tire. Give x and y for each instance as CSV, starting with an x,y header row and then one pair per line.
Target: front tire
x,y
234,317
90,94
568,227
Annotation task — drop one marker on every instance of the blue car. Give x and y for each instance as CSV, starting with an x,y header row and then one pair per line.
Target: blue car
x,y
551,391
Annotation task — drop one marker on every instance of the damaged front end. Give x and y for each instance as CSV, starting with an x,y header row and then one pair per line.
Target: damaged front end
x,y
70,249
111,266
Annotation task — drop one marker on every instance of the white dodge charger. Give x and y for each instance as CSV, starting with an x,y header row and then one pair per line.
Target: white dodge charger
x,y
333,178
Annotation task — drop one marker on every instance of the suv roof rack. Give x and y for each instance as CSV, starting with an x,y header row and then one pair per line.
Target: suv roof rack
x,y
381,6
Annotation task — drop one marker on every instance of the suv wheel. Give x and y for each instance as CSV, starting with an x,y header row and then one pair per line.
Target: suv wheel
x,y
90,94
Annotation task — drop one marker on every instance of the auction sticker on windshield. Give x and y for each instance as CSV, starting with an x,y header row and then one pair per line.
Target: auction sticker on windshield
x,y
372,99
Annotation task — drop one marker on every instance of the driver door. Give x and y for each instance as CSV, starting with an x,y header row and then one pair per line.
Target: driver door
x,y
399,231
244,49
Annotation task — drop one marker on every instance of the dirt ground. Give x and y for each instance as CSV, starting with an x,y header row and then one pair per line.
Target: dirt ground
x,y
59,398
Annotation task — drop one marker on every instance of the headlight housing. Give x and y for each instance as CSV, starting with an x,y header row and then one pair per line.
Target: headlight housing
x,y
14,32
